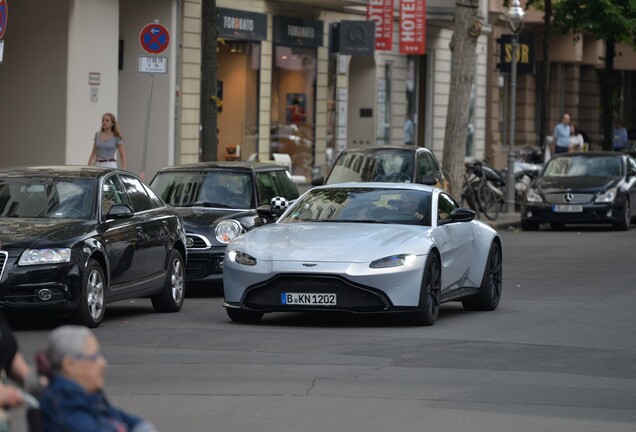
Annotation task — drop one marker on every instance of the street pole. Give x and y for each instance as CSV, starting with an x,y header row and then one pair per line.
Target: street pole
x,y
516,15
510,182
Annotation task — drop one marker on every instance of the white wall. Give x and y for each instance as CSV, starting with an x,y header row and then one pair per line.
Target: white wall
x,y
33,84
92,48
135,88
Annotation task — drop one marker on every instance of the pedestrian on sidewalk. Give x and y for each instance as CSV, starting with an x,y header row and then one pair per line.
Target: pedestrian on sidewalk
x,y
106,143
561,134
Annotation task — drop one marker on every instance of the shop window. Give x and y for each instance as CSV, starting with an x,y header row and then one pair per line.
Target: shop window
x,y
293,106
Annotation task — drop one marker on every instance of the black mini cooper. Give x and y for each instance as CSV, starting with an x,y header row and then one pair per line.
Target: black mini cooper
x,y
218,201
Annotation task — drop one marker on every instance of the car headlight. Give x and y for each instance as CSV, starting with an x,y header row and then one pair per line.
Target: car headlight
x,y
607,196
241,258
45,256
227,230
392,261
533,196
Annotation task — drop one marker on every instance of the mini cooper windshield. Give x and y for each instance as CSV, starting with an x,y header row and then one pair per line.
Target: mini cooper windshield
x,y
221,189
368,205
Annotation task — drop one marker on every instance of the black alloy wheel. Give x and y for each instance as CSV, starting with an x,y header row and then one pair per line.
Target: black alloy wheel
x,y
428,308
490,290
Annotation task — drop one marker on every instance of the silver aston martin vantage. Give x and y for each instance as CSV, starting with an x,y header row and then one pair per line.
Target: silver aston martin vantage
x,y
365,248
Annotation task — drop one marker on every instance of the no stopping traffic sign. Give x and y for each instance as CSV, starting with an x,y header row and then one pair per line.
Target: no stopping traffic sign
x,y
4,16
154,38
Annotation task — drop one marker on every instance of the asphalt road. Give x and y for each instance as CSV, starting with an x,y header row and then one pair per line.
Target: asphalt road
x,y
559,354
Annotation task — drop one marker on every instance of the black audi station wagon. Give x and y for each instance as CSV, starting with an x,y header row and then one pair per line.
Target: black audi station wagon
x,y
73,239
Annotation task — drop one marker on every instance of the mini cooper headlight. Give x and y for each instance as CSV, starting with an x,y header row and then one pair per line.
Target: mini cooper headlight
x,y
607,196
241,258
392,261
533,196
227,230
45,256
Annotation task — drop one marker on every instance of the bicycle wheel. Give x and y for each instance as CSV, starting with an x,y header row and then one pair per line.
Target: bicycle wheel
x,y
488,203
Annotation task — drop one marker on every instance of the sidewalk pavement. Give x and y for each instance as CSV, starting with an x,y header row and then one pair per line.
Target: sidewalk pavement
x,y
504,221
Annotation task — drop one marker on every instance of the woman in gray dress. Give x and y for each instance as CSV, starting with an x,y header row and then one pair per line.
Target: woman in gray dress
x,y
107,142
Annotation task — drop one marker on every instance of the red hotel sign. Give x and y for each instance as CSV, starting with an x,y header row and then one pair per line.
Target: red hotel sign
x,y
412,26
381,11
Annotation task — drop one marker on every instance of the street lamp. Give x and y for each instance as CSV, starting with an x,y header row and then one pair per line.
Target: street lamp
x,y
516,16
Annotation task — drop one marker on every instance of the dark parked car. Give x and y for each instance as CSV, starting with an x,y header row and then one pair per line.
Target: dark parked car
x,y
584,188
73,239
394,164
218,201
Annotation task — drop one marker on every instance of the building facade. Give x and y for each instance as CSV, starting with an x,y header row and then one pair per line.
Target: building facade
x,y
575,80
283,88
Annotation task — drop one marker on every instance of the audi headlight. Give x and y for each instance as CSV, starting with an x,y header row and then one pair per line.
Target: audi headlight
x,y
227,230
392,261
533,196
241,258
45,256
607,196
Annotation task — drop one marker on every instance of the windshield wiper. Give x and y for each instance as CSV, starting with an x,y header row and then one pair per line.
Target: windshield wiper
x,y
205,204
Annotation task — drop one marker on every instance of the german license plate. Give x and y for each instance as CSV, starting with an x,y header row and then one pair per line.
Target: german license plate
x,y
308,299
567,208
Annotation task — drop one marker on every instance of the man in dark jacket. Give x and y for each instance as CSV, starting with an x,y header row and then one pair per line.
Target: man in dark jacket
x,y
74,399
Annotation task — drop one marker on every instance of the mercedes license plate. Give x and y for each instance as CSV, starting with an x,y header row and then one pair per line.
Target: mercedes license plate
x,y
308,299
567,208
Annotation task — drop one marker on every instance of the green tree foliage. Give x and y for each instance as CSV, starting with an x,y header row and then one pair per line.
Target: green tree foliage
x,y
613,21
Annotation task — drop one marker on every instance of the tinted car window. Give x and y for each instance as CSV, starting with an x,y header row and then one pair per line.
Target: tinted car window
x,y
275,183
375,166
579,166
427,166
154,199
366,205
112,193
225,189
137,194
445,206
44,197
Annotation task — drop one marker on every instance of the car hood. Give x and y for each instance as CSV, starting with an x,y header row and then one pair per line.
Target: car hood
x,y
26,232
196,216
332,241
579,184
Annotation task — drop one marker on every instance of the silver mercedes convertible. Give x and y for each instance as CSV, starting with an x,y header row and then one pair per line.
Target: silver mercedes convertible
x,y
365,248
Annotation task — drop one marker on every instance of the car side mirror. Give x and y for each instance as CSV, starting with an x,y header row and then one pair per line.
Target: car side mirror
x,y
318,181
462,215
264,211
120,211
428,180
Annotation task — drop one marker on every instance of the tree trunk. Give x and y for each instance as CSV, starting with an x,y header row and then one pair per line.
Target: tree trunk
x,y
608,93
464,53
544,115
209,66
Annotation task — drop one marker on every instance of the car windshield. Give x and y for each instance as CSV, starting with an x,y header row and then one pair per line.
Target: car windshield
x,y
583,165
34,197
373,166
363,205
221,189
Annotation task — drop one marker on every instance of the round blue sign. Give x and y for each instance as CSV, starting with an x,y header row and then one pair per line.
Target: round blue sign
x,y
154,38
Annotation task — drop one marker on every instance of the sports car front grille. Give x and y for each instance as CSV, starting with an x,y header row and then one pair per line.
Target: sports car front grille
x,y
3,261
575,198
350,296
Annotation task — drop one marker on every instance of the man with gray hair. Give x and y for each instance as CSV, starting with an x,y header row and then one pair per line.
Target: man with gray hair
x,y
74,399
